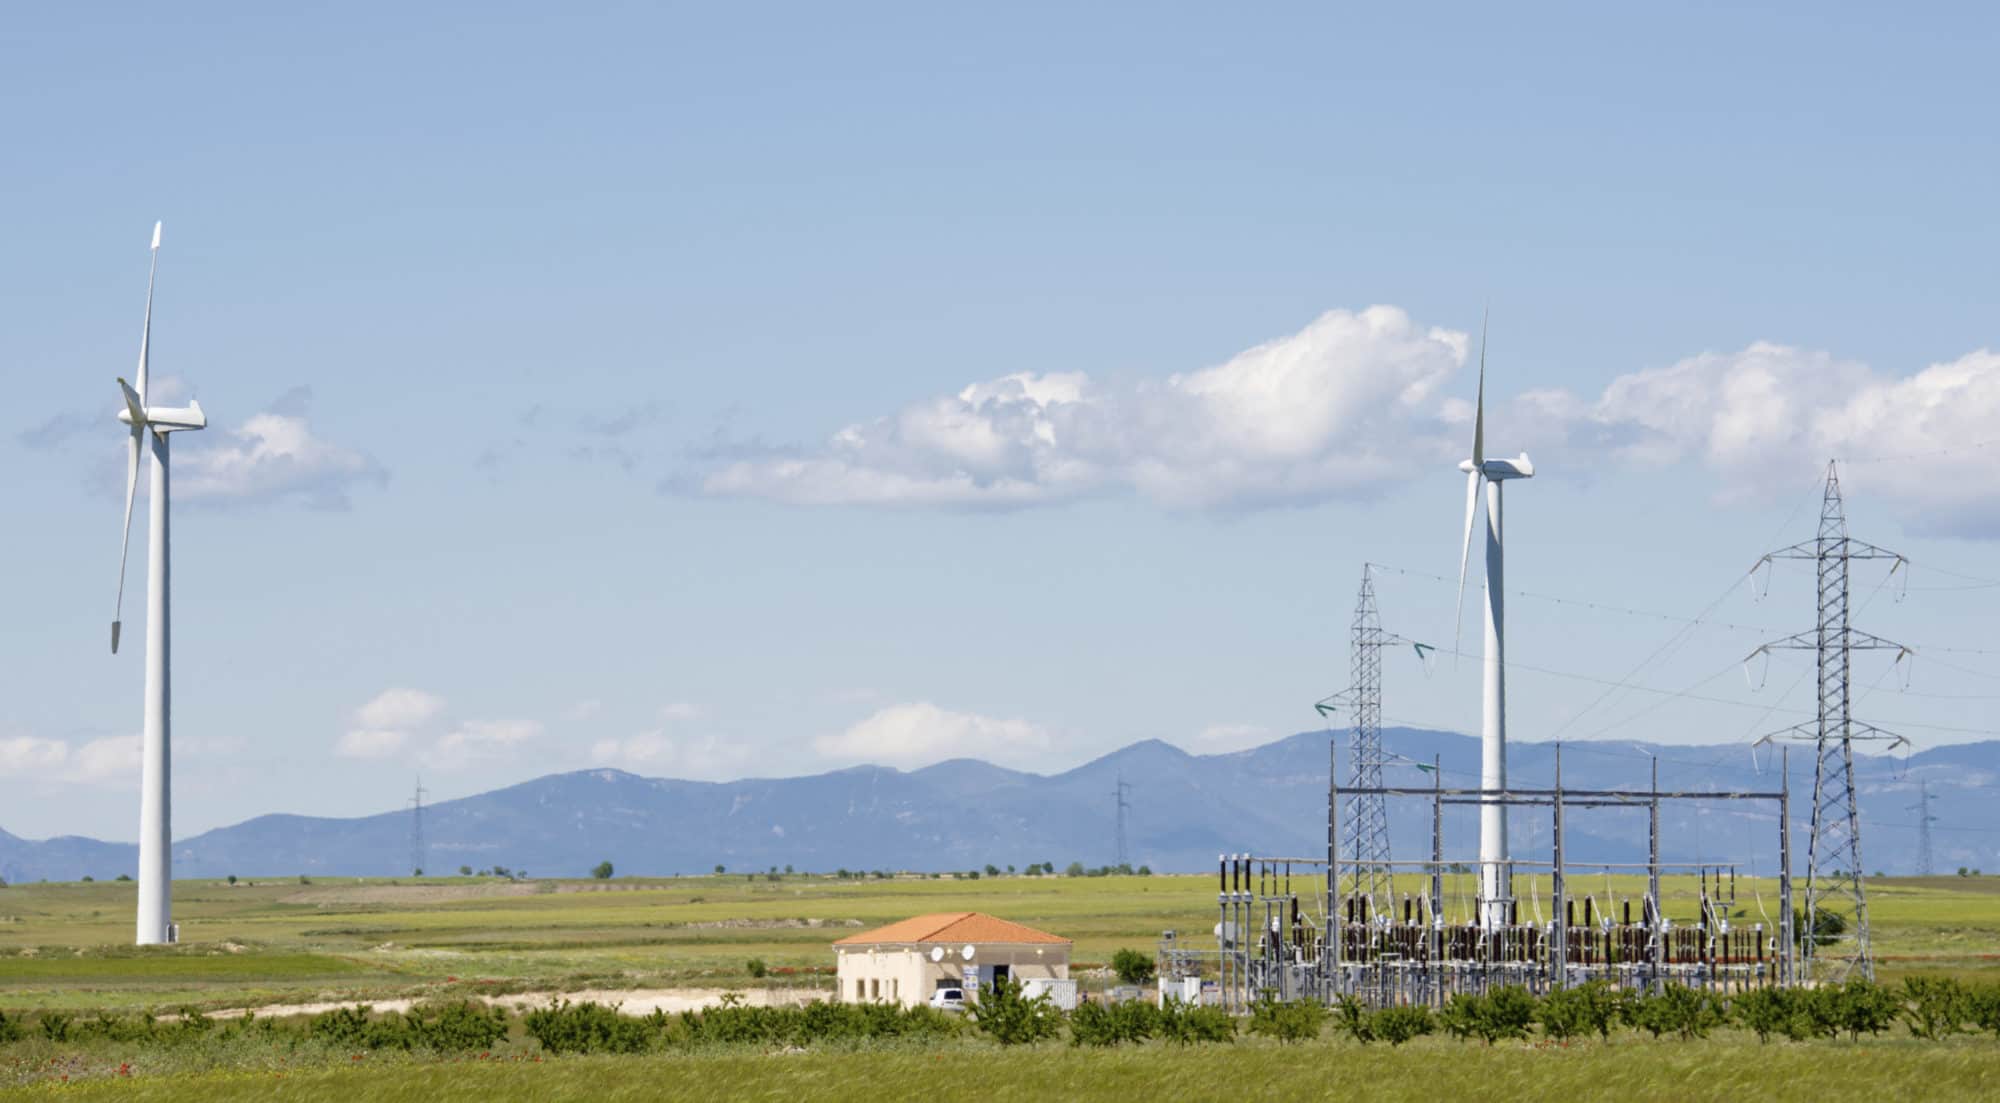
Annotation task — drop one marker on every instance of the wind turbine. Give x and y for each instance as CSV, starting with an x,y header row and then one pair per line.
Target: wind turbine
x,y
149,426
1495,875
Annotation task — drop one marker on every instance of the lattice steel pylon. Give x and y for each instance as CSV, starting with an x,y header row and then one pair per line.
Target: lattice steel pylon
x,y
1367,820
417,854
1923,810
1833,853
1118,792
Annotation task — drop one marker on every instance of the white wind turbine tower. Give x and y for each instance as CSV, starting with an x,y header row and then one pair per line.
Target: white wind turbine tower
x,y
150,426
1495,874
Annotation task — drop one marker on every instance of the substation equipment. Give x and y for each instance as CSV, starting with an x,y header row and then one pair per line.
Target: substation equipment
x,y
1294,928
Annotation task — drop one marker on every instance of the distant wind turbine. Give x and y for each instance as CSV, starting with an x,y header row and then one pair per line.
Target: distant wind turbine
x,y
149,426
1495,876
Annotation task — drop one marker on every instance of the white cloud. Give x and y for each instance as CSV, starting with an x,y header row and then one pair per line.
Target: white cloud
x,y
1220,738
1327,411
26,754
386,724
370,743
272,456
111,758
480,740
921,733
1763,419
399,708
1353,403
679,711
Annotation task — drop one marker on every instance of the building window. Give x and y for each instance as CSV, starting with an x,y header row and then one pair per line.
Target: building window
x,y
895,989
875,989
860,990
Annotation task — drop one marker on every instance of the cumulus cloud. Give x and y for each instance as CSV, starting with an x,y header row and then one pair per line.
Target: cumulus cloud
x,y
1329,410
921,733
1354,402
108,760
385,725
402,720
1221,738
273,455
476,740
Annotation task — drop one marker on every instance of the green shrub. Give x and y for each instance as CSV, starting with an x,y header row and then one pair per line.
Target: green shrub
x,y
1510,1011
1562,1014
1351,1017
1133,966
1865,1005
1767,1011
345,1027
1677,1009
10,1029
1983,1008
1935,1007
1010,1018
1293,1021
564,1027
1461,1015
756,968
455,1026
55,1025
1186,1023
1396,1025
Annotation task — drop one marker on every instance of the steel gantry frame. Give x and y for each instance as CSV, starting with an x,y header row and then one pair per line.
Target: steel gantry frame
x,y
1268,946
1833,848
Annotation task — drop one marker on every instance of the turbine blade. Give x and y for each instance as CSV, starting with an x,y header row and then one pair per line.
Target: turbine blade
x,y
1479,406
1465,556
146,335
125,541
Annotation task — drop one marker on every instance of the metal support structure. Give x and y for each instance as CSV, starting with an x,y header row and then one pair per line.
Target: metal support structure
x,y
1118,792
1417,953
1923,810
1833,849
417,849
1367,819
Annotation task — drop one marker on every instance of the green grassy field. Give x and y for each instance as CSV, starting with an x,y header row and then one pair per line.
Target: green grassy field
x,y
64,947
1732,1069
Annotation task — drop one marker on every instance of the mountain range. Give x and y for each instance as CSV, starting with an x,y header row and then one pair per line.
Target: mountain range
x,y
1185,810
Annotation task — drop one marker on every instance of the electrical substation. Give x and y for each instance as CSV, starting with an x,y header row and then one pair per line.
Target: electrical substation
x,y
1335,926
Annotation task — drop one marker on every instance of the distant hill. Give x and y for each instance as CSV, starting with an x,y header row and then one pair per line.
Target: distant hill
x,y
962,814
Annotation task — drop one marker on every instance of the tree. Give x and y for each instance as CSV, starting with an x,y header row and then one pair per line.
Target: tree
x,y
788,867
1075,870
719,870
465,871
601,871
417,872
1145,871
1133,966
232,878
992,870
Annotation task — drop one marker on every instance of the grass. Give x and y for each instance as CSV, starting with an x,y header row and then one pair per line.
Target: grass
x,y
66,946
1731,1068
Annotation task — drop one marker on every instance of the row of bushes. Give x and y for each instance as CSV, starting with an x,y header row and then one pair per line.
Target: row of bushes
x,y
1931,1008
444,1026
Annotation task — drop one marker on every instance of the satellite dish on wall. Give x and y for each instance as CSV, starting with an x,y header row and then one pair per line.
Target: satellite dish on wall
x,y
967,952
937,953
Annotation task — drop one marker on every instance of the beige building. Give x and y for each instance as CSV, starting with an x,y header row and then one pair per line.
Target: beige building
x,y
905,962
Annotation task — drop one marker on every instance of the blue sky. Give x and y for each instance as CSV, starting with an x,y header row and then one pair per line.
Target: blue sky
x,y
712,391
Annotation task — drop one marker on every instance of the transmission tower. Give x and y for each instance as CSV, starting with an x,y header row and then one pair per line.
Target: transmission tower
x,y
1833,854
1923,810
1118,792
417,829
1367,820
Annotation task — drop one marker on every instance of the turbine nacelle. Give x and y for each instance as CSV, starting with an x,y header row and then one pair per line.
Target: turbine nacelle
x,y
1520,467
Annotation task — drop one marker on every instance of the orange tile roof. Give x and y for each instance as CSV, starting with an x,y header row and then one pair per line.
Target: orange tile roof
x,y
974,927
